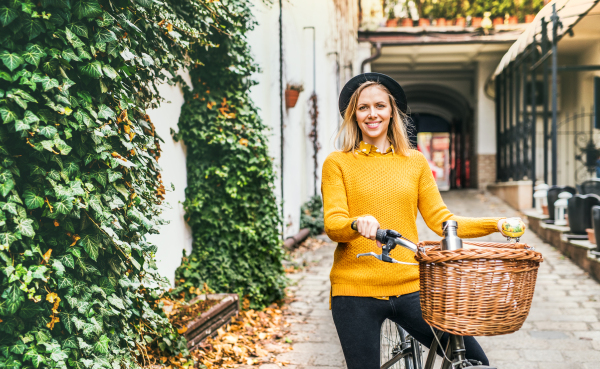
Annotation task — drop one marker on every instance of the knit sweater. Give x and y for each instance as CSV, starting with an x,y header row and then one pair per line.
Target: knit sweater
x,y
390,187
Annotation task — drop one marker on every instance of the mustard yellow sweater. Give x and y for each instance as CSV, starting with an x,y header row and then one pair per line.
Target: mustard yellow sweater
x,y
391,187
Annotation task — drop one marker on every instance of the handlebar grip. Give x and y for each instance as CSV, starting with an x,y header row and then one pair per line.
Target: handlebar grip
x,y
353,226
381,235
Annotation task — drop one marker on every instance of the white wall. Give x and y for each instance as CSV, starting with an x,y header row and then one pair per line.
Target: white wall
x,y
175,236
485,115
335,22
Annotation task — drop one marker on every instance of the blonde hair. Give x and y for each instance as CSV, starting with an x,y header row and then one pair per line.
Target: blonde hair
x,y
396,133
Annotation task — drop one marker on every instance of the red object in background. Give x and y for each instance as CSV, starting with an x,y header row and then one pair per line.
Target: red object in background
x,y
476,22
498,21
407,22
513,19
434,175
424,22
461,22
529,18
441,22
392,23
291,97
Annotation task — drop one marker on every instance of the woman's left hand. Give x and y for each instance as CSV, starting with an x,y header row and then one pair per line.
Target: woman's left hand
x,y
513,222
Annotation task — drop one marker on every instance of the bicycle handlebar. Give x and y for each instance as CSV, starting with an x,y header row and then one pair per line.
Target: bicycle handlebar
x,y
389,238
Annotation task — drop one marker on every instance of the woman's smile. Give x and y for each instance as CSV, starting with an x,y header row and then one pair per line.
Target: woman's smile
x,y
373,125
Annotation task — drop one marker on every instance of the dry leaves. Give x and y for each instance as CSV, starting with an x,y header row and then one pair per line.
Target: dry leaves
x,y
254,338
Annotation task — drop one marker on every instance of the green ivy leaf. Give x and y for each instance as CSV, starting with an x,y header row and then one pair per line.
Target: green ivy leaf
x,y
68,261
62,146
93,69
19,347
69,54
21,126
33,54
104,112
101,346
26,227
48,131
79,29
91,245
6,239
86,8
32,27
103,36
30,309
14,298
48,83
32,201
64,206
109,71
7,115
33,356
7,15
30,118
11,60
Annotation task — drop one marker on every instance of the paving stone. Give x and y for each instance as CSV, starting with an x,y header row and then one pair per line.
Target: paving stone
x,y
548,335
542,355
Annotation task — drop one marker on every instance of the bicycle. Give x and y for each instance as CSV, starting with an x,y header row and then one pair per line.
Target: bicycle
x,y
405,347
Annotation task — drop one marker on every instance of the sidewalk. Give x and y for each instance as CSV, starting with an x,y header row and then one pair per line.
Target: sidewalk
x,y
561,331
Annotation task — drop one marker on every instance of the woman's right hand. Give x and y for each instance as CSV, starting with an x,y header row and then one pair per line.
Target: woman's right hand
x,y
367,227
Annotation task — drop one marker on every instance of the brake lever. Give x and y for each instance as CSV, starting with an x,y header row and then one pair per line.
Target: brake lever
x,y
385,258
385,254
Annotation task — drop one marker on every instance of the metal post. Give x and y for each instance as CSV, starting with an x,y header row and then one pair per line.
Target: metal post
x,y
518,122
505,136
524,119
511,130
545,96
555,25
498,122
533,118
281,112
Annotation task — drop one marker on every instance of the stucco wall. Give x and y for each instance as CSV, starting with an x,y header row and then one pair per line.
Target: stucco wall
x,y
335,22
175,236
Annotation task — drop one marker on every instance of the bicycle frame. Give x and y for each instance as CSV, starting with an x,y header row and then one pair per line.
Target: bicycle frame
x,y
454,354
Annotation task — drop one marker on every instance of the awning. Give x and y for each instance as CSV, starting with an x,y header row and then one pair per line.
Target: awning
x,y
569,13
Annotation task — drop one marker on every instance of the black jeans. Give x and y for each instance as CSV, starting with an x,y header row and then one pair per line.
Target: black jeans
x,y
358,322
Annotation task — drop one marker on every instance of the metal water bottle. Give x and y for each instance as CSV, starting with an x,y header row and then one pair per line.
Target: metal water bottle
x,y
451,240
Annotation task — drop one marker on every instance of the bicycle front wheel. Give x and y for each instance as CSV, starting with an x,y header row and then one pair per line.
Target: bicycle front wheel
x,y
391,339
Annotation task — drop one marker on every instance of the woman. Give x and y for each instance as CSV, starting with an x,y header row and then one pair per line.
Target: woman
x,y
378,180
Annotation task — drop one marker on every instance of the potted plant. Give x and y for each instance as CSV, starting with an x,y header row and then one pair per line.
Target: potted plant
x,y
476,10
425,8
530,8
462,9
438,12
497,14
292,91
392,19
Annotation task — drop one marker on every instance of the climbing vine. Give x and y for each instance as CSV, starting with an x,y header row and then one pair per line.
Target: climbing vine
x,y
79,182
230,201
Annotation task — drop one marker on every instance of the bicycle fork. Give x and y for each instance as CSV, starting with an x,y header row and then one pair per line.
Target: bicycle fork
x,y
456,350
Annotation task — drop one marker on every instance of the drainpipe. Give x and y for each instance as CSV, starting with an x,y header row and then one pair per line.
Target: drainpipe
x,y
371,58
281,110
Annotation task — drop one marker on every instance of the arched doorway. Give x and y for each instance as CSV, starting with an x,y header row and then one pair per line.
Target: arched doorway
x,y
444,112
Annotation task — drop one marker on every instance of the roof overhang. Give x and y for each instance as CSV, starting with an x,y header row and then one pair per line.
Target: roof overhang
x,y
569,13
403,36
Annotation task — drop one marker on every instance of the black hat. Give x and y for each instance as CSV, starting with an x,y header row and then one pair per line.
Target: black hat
x,y
392,86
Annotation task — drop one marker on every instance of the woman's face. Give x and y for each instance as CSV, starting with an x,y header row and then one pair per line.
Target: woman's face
x,y
373,112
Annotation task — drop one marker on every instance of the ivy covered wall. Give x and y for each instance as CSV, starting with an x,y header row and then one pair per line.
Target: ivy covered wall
x,y
80,188
230,200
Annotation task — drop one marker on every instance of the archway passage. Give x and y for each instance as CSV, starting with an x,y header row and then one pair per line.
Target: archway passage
x,y
444,121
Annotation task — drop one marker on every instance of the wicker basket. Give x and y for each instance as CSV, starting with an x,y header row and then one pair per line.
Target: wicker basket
x,y
485,291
